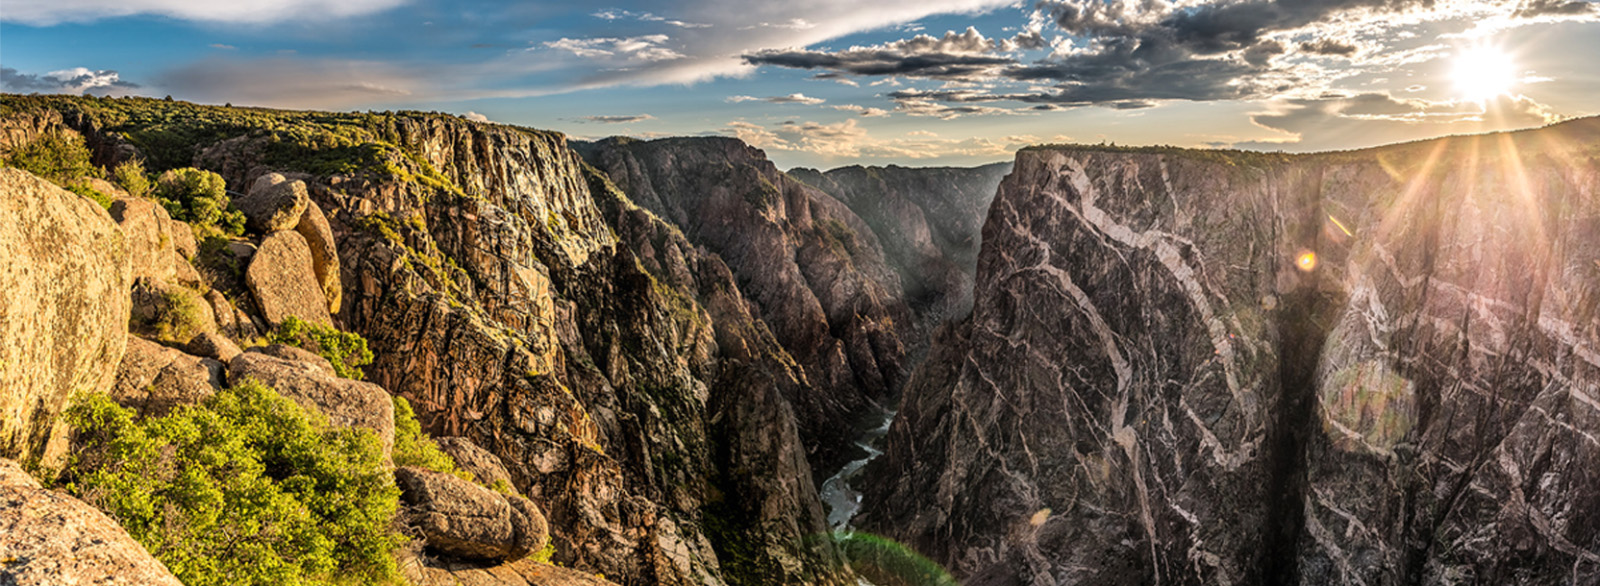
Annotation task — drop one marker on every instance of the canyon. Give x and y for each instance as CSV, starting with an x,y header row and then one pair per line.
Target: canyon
x,y
1103,365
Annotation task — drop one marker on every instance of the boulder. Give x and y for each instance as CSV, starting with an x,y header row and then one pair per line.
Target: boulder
x,y
64,279
273,204
283,281
213,345
154,379
484,466
464,520
345,402
48,538
292,353
314,228
231,321
524,572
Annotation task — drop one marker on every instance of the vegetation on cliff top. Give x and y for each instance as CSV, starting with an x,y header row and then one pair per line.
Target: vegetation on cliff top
x,y
246,488
62,159
346,351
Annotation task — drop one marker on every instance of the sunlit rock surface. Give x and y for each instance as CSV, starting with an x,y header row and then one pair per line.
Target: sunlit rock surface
x,y
1193,367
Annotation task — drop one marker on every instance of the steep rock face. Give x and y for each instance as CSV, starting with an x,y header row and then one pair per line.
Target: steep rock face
x,y
48,538
930,221
814,270
63,317
1102,416
1210,368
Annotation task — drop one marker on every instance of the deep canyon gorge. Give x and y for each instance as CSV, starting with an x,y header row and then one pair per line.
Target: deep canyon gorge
x,y
1092,365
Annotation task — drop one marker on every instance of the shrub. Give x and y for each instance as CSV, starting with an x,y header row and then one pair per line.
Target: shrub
x,y
201,198
131,176
346,350
412,447
62,159
246,488
59,158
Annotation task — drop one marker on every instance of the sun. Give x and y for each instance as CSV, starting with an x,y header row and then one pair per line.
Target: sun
x,y
1482,73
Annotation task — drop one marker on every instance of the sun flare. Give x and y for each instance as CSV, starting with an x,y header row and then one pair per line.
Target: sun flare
x,y
1481,73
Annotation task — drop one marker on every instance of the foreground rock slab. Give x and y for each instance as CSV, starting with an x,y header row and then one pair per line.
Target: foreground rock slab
x,y
50,539
64,281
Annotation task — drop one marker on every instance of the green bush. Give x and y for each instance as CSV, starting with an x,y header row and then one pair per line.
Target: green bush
x,y
131,176
412,447
62,159
59,158
346,350
199,197
246,488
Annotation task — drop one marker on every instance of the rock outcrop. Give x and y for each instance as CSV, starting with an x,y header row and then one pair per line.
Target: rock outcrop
x,y
283,279
313,226
484,465
464,520
48,539
154,379
63,317
930,221
1375,367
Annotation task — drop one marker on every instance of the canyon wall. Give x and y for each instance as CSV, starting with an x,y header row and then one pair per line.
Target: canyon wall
x,y
1201,367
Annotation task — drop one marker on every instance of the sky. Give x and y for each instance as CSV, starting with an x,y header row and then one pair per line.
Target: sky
x,y
828,83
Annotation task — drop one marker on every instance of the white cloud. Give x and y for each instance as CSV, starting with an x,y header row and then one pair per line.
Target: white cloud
x,y
475,117
50,12
863,110
849,140
643,48
795,98
77,80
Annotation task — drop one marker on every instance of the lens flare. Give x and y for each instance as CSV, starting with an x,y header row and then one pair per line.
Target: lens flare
x,y
1483,73
1306,261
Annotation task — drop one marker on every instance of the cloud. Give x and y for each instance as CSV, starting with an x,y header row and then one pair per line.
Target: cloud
x,y
223,47
964,55
739,27
862,110
795,98
51,12
1376,118
642,48
78,80
1540,8
617,14
849,140
618,119
1330,47
475,117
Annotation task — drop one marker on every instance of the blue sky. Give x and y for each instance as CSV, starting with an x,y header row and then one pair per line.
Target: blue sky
x,y
834,82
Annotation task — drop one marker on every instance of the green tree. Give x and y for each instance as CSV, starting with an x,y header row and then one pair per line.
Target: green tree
x,y
199,197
